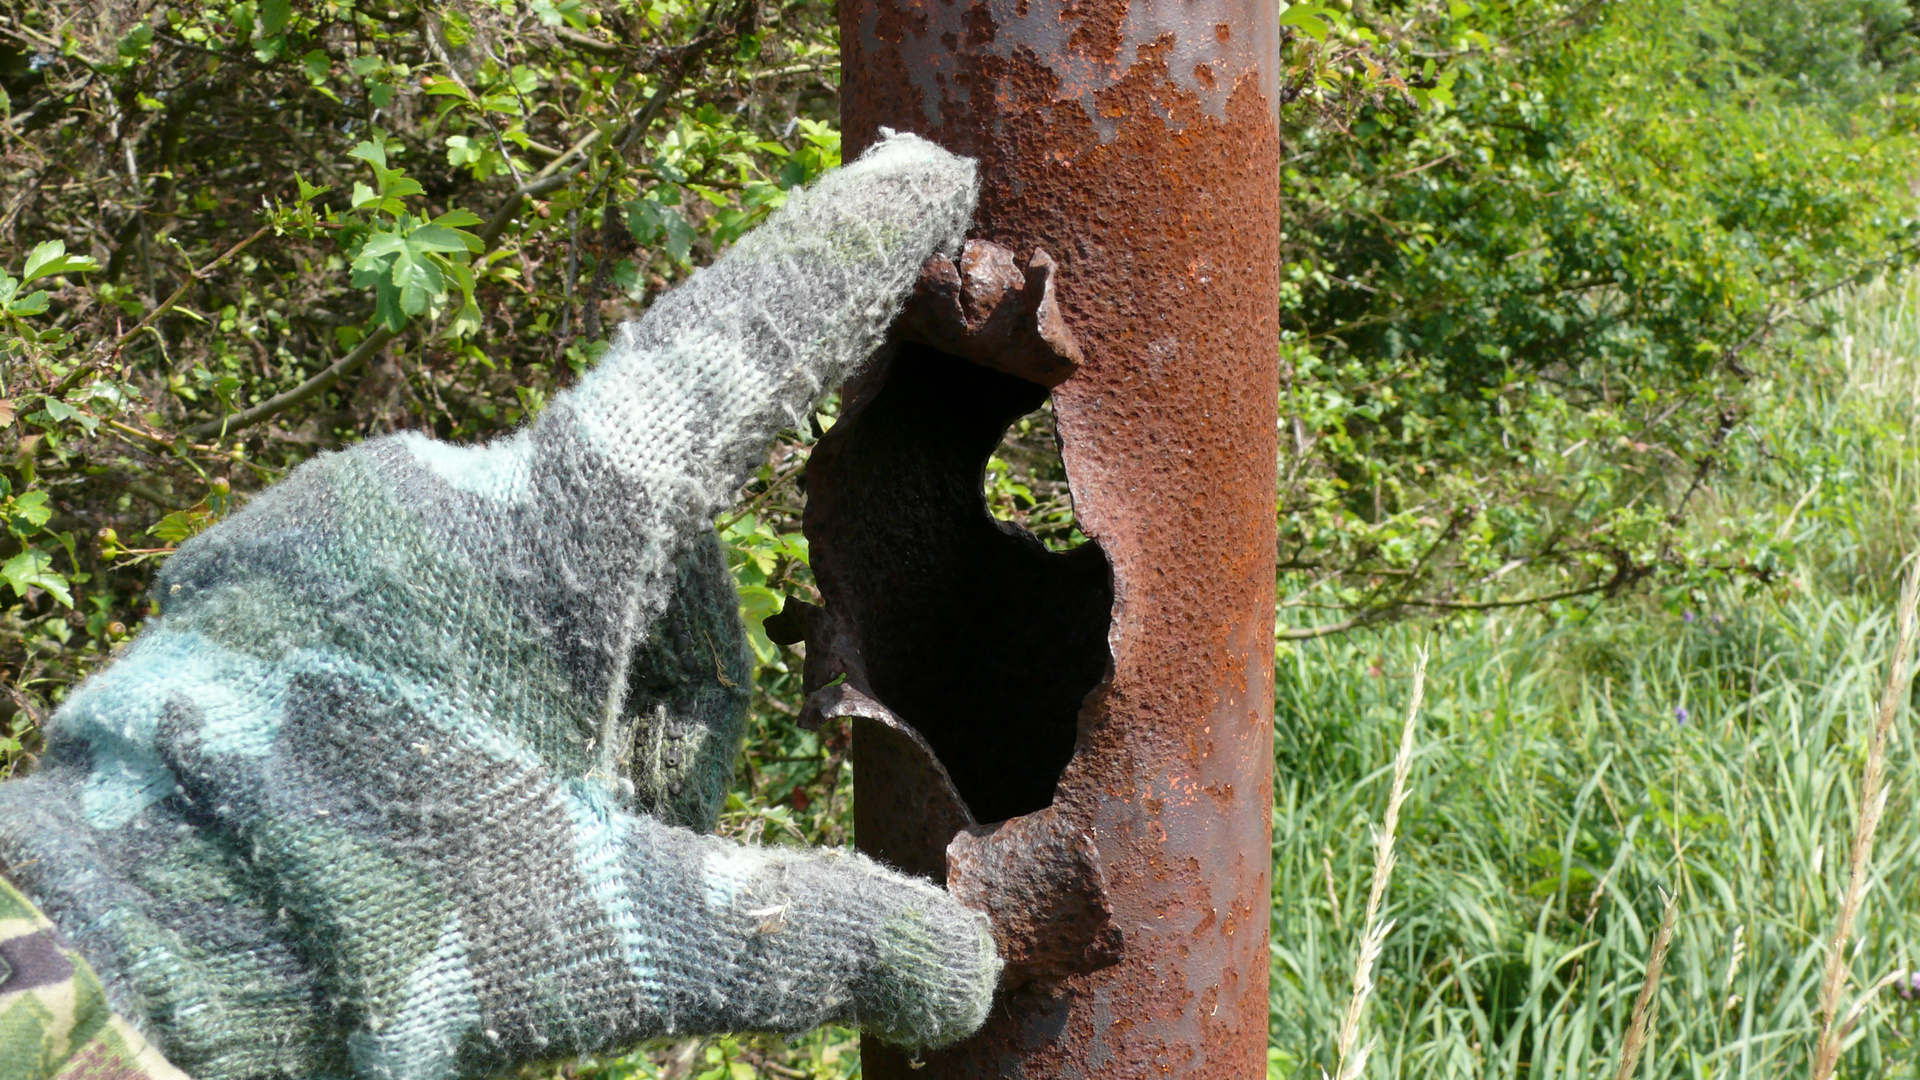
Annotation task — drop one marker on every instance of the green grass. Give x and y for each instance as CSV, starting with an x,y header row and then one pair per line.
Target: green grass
x,y
1572,769
1553,761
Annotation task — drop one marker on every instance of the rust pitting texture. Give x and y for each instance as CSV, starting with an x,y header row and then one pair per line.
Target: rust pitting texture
x,y
989,310
963,602
1087,49
1041,880
1132,734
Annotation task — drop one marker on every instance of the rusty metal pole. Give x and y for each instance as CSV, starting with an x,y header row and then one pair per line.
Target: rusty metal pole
x,y
1081,742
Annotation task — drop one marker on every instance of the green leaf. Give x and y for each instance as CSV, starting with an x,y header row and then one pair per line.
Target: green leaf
x,y
308,192
376,254
643,220
31,304
475,154
440,238
466,322
177,526
61,412
418,279
1309,19
501,103
317,63
680,237
386,307
757,602
457,28
50,258
135,42
375,153
555,12
274,16
395,184
28,513
34,568
457,218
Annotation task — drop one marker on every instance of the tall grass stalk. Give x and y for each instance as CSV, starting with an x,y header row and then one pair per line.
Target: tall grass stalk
x,y
1351,1062
1640,1029
1872,803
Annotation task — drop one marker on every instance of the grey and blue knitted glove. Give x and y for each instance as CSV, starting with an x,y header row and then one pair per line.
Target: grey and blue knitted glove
x,y
404,779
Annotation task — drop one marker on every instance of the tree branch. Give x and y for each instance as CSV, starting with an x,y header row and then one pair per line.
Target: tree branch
x,y
80,371
346,365
1303,633
556,175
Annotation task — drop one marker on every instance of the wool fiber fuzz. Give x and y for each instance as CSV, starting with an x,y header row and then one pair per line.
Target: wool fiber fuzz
x,y
410,778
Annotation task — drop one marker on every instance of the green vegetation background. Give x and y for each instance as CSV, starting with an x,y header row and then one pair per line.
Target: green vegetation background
x,y
1602,369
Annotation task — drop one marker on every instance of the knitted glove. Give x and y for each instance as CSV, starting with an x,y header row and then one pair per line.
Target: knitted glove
x,y
431,714
185,929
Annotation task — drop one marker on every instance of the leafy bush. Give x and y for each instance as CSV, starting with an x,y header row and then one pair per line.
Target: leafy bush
x,y
313,223
1524,328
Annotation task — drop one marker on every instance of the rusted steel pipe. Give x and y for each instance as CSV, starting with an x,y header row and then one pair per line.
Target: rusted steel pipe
x,y
1078,742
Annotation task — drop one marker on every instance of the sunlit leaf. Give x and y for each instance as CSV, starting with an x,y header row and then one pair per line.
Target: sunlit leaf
x,y
50,258
33,568
440,238
274,16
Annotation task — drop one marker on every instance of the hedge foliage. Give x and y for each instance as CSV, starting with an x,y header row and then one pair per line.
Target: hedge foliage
x,y
1535,254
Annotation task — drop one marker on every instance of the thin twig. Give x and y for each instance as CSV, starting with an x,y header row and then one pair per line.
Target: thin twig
x,y
154,495
434,37
1350,1063
1522,601
532,189
1304,633
80,371
346,365
592,44
1872,803
553,177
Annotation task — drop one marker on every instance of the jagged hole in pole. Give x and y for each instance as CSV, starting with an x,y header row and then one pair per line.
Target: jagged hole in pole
x,y
1028,460
970,629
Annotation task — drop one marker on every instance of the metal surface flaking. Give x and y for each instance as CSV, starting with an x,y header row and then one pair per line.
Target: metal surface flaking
x,y
1087,48
1105,712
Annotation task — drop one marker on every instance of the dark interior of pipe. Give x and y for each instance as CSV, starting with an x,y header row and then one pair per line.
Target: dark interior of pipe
x,y
970,629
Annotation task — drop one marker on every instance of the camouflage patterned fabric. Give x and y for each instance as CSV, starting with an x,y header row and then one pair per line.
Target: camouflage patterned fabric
x,y
54,1021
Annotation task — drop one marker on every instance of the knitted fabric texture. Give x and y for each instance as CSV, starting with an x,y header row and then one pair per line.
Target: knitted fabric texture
x,y
403,781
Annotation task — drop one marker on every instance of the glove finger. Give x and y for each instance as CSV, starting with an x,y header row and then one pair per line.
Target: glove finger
x,y
475,910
